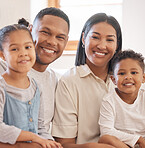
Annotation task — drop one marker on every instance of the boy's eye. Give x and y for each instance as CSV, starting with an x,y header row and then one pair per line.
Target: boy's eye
x,y
133,72
14,49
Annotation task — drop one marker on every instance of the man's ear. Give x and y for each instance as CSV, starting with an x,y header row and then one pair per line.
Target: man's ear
x,y
30,27
2,55
143,81
113,79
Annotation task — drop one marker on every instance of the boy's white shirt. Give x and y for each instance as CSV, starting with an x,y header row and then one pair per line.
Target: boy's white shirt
x,y
125,121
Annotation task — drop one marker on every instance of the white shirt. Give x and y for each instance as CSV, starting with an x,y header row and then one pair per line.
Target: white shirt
x,y
78,97
125,121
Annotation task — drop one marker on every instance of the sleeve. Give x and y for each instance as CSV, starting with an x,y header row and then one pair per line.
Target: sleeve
x,y
42,131
106,122
8,134
64,123
3,66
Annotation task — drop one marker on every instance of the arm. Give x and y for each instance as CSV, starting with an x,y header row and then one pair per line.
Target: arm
x,y
48,139
41,126
107,120
8,134
65,115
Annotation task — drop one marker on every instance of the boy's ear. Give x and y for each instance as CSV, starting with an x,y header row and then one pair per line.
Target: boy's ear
x,y
143,81
2,55
113,79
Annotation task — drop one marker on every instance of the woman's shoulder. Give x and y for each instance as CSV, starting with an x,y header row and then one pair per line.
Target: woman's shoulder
x,y
71,74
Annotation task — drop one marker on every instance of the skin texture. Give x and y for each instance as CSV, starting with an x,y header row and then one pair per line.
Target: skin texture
x,y
50,40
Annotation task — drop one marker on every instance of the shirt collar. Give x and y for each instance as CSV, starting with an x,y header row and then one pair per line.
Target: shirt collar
x,y
84,71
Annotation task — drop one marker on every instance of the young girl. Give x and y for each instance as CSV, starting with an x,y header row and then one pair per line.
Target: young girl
x,y
122,113
21,109
80,91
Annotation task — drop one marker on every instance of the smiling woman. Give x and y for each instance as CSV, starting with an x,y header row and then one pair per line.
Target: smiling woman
x,y
77,110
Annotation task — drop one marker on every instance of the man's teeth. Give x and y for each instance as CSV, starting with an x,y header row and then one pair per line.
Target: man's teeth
x,y
48,51
100,53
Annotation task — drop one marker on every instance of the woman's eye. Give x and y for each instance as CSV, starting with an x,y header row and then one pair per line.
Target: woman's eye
x,y
95,37
110,40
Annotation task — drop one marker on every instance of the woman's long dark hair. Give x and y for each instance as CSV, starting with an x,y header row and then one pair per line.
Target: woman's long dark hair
x,y
95,19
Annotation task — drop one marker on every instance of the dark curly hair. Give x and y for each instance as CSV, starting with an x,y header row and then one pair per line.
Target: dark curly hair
x,y
125,55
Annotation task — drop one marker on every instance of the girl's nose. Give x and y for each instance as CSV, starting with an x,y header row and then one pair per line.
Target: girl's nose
x,y
23,52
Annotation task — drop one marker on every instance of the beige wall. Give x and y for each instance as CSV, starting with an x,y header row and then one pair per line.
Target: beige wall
x,y
133,26
12,10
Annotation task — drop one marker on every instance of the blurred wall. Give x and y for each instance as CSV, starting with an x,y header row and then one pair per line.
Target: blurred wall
x,y
133,25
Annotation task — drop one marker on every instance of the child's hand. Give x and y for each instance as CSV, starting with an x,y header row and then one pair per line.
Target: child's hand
x,y
141,142
47,143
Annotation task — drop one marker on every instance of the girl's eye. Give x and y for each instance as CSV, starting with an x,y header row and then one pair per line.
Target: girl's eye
x,y
28,47
121,73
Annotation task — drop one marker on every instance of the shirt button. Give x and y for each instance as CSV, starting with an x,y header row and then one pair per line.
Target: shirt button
x,y
29,102
30,120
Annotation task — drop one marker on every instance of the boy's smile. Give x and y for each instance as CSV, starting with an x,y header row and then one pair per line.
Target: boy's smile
x,y
128,76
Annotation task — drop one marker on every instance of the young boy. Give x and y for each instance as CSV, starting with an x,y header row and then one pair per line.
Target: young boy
x,y
122,114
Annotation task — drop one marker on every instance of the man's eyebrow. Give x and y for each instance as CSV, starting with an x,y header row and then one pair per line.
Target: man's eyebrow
x,y
63,34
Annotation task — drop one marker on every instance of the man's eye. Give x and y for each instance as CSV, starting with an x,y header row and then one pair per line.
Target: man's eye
x,y
60,37
45,32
